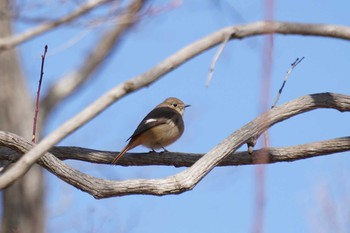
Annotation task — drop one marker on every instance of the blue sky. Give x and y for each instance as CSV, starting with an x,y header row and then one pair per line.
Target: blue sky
x,y
224,201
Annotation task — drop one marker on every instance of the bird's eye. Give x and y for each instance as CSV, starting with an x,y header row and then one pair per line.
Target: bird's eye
x,y
175,105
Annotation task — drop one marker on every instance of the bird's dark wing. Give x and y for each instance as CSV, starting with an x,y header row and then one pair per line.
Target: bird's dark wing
x,y
156,117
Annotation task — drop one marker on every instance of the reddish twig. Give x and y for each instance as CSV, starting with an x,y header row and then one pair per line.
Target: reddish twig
x,y
38,94
165,8
260,171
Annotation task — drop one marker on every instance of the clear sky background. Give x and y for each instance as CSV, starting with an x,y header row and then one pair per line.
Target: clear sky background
x,y
305,196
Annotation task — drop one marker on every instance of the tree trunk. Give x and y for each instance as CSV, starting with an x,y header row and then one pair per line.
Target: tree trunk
x,y
23,202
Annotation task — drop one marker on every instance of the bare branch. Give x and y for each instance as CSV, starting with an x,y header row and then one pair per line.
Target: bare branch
x,y
38,94
187,179
177,159
251,143
215,60
159,70
12,41
104,47
292,66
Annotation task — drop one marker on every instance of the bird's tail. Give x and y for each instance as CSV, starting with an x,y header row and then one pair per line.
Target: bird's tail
x,y
115,160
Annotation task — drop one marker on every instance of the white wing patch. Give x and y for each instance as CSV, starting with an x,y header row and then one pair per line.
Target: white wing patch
x,y
150,120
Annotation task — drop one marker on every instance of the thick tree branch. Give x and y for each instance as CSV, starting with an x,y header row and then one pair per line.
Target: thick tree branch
x,y
159,70
187,179
13,40
104,47
177,159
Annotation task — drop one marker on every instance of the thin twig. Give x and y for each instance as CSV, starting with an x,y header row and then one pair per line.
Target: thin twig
x,y
293,65
215,60
251,142
38,94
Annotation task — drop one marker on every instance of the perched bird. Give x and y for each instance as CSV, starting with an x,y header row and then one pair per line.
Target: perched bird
x,y
161,127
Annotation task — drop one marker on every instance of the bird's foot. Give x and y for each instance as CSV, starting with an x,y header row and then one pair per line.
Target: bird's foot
x,y
152,151
164,150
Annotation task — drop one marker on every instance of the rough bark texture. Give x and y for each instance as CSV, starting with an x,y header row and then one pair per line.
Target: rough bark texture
x,y
178,159
22,203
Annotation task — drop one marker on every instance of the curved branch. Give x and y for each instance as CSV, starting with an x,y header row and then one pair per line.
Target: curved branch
x,y
12,41
147,78
187,179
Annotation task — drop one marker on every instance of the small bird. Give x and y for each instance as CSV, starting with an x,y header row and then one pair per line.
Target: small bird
x,y
161,127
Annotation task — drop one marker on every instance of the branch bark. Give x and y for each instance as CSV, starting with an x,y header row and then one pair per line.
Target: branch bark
x,y
147,78
186,180
178,159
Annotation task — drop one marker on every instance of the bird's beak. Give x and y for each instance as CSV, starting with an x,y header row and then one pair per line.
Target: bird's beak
x,y
187,105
